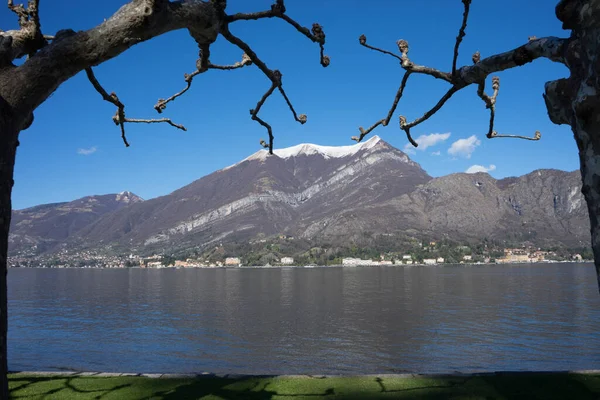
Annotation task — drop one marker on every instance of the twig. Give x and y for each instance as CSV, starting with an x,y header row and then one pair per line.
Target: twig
x,y
152,121
203,67
387,119
20,11
162,103
536,136
408,65
119,117
406,130
435,108
363,41
273,75
254,116
461,34
316,34
299,118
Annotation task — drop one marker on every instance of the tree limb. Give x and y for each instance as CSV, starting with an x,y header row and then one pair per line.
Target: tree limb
x,y
119,117
254,114
537,136
203,66
137,21
387,119
363,41
461,33
29,38
275,77
549,47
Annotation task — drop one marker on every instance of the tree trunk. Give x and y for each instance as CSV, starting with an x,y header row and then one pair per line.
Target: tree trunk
x,y
576,101
8,148
590,174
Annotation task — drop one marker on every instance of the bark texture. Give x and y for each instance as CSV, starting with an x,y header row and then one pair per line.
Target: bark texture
x,y
576,101
8,147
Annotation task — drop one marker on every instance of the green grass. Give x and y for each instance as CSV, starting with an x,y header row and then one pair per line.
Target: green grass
x,y
500,386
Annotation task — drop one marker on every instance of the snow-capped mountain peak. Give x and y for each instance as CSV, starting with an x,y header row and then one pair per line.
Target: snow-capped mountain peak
x,y
310,149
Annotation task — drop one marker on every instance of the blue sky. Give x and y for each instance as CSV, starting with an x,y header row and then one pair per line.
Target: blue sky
x,y
73,148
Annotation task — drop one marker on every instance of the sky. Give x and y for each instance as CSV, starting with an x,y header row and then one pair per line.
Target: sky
x,y
73,149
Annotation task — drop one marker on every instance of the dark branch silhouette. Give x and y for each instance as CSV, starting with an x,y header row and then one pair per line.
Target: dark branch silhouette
x,y
550,47
119,117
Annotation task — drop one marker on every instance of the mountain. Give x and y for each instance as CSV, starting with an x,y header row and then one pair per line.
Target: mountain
x,y
335,195
41,228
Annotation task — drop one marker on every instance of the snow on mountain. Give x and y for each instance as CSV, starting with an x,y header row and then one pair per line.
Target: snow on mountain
x,y
310,149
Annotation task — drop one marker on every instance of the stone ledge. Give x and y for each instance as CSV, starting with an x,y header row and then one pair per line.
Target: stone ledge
x,y
243,376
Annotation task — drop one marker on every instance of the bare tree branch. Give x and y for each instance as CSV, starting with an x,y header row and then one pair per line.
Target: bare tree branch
x,y
536,136
162,103
461,34
153,121
119,117
387,119
275,77
254,114
408,65
550,47
203,66
363,41
406,130
29,38
316,34
137,21
435,108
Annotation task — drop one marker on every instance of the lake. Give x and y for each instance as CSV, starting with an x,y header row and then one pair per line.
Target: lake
x,y
330,320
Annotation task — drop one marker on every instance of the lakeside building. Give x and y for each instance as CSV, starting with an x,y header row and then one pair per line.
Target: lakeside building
x,y
287,260
357,261
231,262
515,256
429,261
154,264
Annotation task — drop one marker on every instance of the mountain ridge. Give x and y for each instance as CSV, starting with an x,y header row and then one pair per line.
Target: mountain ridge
x,y
330,194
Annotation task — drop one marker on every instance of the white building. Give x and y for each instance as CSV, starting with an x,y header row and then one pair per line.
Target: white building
x,y
440,260
467,258
357,261
287,260
429,261
232,261
407,257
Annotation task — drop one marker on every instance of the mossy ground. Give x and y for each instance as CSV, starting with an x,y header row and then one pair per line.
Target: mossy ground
x,y
500,386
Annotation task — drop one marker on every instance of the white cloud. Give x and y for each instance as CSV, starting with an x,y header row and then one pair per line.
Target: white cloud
x,y
464,147
425,141
480,168
436,153
87,152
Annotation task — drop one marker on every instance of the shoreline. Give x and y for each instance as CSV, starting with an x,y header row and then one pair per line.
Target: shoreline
x,y
59,374
327,266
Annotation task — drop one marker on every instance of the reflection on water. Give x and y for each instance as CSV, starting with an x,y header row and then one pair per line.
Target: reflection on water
x,y
319,320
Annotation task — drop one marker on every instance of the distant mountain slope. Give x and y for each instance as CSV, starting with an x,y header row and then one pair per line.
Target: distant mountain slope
x,y
265,195
40,228
545,207
332,194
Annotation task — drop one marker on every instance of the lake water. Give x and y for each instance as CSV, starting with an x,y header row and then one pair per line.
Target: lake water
x,y
298,320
